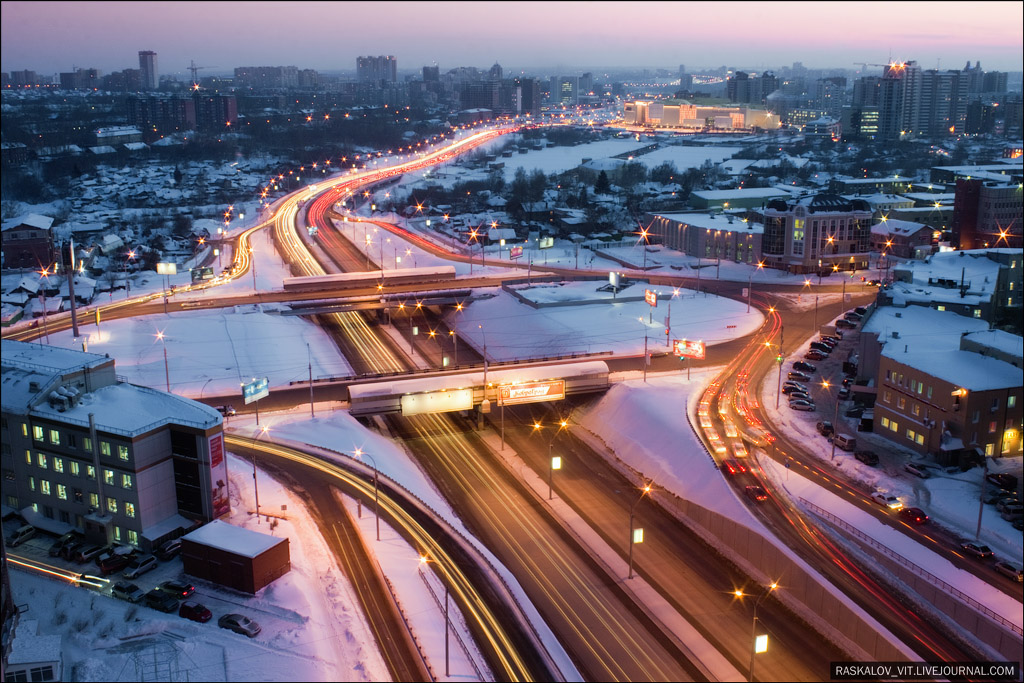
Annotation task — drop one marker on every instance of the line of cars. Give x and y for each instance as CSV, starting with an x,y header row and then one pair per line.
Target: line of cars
x,y
173,596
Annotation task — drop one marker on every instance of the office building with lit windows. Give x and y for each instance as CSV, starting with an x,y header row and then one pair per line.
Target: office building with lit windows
x,y
818,233
120,462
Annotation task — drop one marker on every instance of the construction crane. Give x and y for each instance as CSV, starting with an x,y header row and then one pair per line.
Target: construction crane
x,y
195,78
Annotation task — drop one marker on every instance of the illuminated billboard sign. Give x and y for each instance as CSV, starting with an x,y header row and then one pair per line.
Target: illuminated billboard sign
x,y
256,389
688,349
437,402
546,242
218,477
167,268
531,392
651,297
515,252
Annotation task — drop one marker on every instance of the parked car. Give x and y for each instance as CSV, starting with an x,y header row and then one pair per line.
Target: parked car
x,y
169,550
804,367
799,404
1006,503
113,549
239,624
866,457
794,383
161,601
853,316
821,346
794,388
800,396
845,442
831,338
914,515
860,310
190,609
994,498
887,500
916,470
20,535
114,563
844,394
69,538
814,354
798,376
179,589
756,494
127,591
70,550
1012,512
226,411
139,566
732,467
1003,481
825,428
1008,569
856,411
86,552
843,323
976,549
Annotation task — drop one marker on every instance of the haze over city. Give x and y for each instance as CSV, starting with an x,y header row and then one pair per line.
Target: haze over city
x,y
50,37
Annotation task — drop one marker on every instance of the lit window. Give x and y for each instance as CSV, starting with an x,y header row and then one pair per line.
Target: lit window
x,y
916,409
28,457
54,437
90,472
122,452
894,426
87,444
117,530
75,468
104,448
58,464
992,427
41,460
977,312
133,537
129,509
901,403
31,483
62,491
126,481
94,499
108,477
1011,401
44,486
112,505
24,429
37,433
990,449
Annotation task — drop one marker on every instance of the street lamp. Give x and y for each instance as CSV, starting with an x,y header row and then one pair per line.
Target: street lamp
x,y
447,624
634,536
835,418
554,463
757,643
376,510
750,282
167,372
255,482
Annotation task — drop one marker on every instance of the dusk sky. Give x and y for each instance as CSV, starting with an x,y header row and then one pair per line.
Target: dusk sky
x,y
49,37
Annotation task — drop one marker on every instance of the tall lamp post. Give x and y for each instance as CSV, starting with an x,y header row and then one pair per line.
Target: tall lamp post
x,y
750,283
554,463
835,418
632,530
447,623
255,482
167,371
376,510
757,643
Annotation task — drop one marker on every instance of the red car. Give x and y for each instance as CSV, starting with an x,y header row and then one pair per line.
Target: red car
x,y
732,467
756,494
190,609
914,515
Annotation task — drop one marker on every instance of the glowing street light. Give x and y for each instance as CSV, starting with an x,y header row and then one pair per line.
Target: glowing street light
x,y
376,510
758,643
635,535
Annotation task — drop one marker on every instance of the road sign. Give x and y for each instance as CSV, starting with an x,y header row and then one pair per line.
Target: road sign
x,y
515,252
689,349
200,274
256,389
530,392
651,297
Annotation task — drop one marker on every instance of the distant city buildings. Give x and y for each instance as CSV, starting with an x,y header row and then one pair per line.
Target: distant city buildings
x,y
747,89
147,67
382,69
675,113
258,77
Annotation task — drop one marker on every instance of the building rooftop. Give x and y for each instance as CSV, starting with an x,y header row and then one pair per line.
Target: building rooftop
x,y
746,193
966,369
33,220
895,226
920,328
719,221
244,542
1000,340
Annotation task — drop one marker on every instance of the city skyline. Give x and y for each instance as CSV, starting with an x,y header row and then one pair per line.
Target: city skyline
x,y
528,35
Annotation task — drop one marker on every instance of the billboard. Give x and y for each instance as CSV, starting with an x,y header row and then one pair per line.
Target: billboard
x,y
167,268
546,242
200,274
515,252
256,389
437,402
531,392
688,349
218,477
651,297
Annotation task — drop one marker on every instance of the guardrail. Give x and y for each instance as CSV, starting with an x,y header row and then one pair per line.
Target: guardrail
x,y
913,567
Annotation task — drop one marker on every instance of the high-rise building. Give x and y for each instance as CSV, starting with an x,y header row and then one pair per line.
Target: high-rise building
x,y
530,96
215,112
495,73
942,104
267,77
743,88
147,65
158,116
586,83
80,79
431,74
987,214
382,69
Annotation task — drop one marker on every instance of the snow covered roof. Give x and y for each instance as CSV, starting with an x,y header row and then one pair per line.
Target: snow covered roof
x,y
1010,344
28,647
244,542
135,146
102,149
720,221
760,192
966,369
31,220
897,227
921,327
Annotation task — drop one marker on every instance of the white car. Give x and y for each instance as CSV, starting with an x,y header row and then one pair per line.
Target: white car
x,y
800,404
139,566
887,500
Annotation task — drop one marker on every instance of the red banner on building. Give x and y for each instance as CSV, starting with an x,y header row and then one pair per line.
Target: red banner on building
x,y
529,392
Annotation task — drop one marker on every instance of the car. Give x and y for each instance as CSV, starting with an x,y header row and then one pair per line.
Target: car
x,y
805,406
113,549
916,470
994,498
21,534
190,609
800,396
226,411
831,338
815,355
914,515
1008,569
843,323
856,411
139,566
1012,512
794,383
976,549
887,500
798,376
239,624
69,538
87,551
853,316
756,493
169,550
866,457
874,283
821,346
731,431
179,589
732,467
161,601
804,367
860,310
847,381
70,550
790,388
739,449
1002,480
1006,503
114,563
825,428
127,591
844,394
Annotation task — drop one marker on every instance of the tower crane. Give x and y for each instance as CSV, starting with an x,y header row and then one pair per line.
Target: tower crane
x,y
195,78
